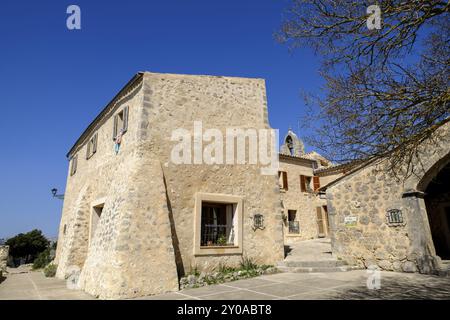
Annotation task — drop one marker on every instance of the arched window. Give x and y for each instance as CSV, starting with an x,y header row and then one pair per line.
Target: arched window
x,y
290,145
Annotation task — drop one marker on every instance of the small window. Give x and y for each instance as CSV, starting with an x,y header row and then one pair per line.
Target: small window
x,y
217,227
120,122
282,179
95,217
294,226
65,229
315,165
305,184
218,224
91,146
73,166
394,217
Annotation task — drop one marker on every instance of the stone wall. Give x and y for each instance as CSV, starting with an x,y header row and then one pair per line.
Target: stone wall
x,y
367,194
305,203
4,252
144,239
176,101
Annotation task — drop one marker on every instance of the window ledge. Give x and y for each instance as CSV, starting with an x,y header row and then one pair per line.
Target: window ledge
x,y
293,235
218,250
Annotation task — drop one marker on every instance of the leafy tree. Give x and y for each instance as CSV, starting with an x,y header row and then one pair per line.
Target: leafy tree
x,y
27,245
387,90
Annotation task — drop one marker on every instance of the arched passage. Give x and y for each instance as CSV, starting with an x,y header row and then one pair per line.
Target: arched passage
x,y
437,201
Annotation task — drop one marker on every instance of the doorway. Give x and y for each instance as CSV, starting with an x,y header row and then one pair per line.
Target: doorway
x,y
437,201
323,225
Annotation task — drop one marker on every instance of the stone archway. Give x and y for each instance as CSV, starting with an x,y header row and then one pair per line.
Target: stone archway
x,y
437,201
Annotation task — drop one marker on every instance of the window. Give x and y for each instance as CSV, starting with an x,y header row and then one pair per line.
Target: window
x,y
306,181
65,229
293,224
305,184
73,166
394,217
290,145
120,122
282,179
96,213
315,165
91,146
218,224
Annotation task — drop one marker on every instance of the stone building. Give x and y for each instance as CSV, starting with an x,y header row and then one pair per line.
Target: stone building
x,y
399,223
133,222
300,177
4,251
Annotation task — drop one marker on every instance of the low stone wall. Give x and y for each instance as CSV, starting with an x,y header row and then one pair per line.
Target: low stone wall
x,y
4,251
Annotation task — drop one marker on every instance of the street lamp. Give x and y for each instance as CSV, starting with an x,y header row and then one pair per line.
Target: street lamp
x,y
55,195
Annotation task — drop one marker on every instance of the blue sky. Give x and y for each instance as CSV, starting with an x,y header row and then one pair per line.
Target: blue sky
x,y
53,81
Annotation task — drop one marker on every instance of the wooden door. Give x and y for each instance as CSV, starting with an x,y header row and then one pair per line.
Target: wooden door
x,y
320,222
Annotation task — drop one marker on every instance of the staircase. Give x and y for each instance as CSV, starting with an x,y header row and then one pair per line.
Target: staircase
x,y
312,256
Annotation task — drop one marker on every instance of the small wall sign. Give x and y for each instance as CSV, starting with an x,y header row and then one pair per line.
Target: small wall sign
x,y
350,221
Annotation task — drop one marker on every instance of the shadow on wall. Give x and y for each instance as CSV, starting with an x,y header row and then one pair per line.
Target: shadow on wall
x,y
287,250
175,242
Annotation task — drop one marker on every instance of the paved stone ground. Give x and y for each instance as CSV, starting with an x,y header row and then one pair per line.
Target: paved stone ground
x,y
27,285
291,286
320,286
310,250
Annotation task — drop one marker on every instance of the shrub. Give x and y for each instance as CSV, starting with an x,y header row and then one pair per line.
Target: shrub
x,y
193,270
42,260
50,270
223,268
27,246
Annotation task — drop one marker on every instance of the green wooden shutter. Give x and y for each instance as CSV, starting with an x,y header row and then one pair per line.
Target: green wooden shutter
x,y
116,121
94,143
125,119
88,149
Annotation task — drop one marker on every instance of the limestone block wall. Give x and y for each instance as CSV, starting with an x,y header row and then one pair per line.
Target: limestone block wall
x,y
367,196
176,101
132,253
93,180
4,252
305,203
368,193
144,238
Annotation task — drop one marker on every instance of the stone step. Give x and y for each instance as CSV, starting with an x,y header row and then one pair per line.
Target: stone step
x,y
444,270
317,269
312,264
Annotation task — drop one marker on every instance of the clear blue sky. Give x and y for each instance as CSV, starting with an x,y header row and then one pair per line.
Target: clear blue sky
x,y
53,81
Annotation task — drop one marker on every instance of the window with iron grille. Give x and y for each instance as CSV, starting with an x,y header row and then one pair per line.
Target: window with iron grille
x,y
293,224
217,224
394,217
294,227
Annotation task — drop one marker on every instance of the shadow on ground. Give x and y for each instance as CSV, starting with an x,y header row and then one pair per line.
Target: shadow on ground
x,y
399,289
